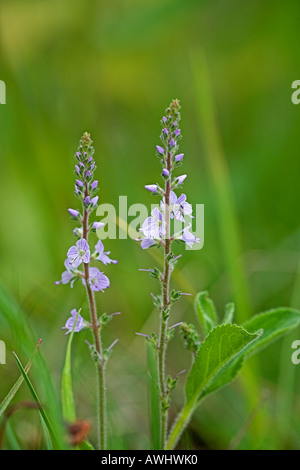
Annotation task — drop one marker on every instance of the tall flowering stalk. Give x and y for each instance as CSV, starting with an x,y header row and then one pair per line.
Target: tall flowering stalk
x,y
78,267
156,231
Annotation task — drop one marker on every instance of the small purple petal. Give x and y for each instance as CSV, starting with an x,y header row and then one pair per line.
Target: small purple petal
x,y
94,200
177,132
73,213
77,169
79,183
87,200
165,172
172,142
98,225
147,242
179,157
160,150
94,185
180,179
151,187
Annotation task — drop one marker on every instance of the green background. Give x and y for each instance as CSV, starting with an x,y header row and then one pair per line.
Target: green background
x,y
111,68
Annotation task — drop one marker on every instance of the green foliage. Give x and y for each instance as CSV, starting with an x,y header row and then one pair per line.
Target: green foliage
x,y
206,312
154,398
6,401
55,442
222,345
229,313
222,354
67,397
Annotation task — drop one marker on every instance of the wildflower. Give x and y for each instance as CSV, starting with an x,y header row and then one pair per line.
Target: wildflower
x,y
103,255
188,237
70,322
180,179
154,226
178,157
74,213
97,280
67,276
160,150
97,225
152,188
79,253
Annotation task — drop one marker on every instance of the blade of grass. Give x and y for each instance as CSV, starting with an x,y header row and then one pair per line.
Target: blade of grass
x,y
14,322
19,382
217,164
37,400
228,225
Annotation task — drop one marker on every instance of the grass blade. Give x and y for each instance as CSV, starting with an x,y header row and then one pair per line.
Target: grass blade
x,y
37,400
19,382
67,397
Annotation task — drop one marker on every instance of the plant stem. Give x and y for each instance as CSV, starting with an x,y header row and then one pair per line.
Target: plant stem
x,y
179,426
100,363
165,308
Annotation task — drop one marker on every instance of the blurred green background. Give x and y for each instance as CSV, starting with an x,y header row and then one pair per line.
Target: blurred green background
x,y
111,68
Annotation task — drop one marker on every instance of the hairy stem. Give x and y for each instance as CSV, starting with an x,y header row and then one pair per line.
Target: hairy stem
x,y
165,308
100,364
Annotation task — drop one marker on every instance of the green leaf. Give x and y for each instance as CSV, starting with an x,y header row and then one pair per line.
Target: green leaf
x,y
19,382
206,312
67,397
229,313
223,347
37,400
275,323
154,398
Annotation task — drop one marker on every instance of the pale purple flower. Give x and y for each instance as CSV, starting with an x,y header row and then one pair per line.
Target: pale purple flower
x,y
73,213
164,119
97,225
165,172
165,131
79,253
147,242
67,275
94,200
79,183
98,281
88,174
78,231
70,322
77,190
103,255
160,150
151,187
87,200
177,132
94,185
178,157
172,142
180,179
77,169
181,207
154,226
188,237
92,166
178,206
